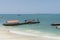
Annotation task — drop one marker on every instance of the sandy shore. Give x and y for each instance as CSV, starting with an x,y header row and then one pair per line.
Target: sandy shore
x,y
5,35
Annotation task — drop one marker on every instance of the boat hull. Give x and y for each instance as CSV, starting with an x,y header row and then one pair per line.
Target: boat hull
x,y
20,23
55,24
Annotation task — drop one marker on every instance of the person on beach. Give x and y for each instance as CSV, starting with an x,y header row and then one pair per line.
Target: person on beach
x,y
25,21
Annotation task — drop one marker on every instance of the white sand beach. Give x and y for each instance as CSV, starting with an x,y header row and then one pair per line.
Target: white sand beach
x,y
6,35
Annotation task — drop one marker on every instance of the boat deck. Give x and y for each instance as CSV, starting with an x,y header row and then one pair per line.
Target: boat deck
x,y
15,24
55,24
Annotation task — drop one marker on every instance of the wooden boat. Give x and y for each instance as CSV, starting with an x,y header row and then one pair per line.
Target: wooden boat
x,y
57,25
16,22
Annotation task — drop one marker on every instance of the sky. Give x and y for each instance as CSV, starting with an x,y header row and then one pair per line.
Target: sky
x,y
29,6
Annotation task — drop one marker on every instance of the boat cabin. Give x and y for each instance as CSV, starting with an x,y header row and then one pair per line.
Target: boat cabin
x,y
12,21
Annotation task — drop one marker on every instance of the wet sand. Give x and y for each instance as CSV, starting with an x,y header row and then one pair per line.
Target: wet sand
x,y
6,35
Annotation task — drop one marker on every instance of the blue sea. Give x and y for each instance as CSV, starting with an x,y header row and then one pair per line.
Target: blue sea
x,y
43,28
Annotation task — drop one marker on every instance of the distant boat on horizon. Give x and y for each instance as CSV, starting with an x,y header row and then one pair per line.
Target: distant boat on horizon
x,y
19,15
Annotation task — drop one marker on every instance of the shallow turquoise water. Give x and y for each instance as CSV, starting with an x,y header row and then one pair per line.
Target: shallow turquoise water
x,y
44,26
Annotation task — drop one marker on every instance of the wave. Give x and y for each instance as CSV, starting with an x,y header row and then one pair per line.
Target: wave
x,y
35,35
22,33
52,37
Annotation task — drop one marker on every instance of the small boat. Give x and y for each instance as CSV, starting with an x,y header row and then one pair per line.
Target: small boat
x,y
16,22
57,25
18,15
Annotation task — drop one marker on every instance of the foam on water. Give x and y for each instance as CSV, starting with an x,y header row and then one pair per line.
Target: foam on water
x,y
53,37
35,34
23,33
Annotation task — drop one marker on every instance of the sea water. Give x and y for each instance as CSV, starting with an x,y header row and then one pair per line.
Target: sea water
x,y
43,28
